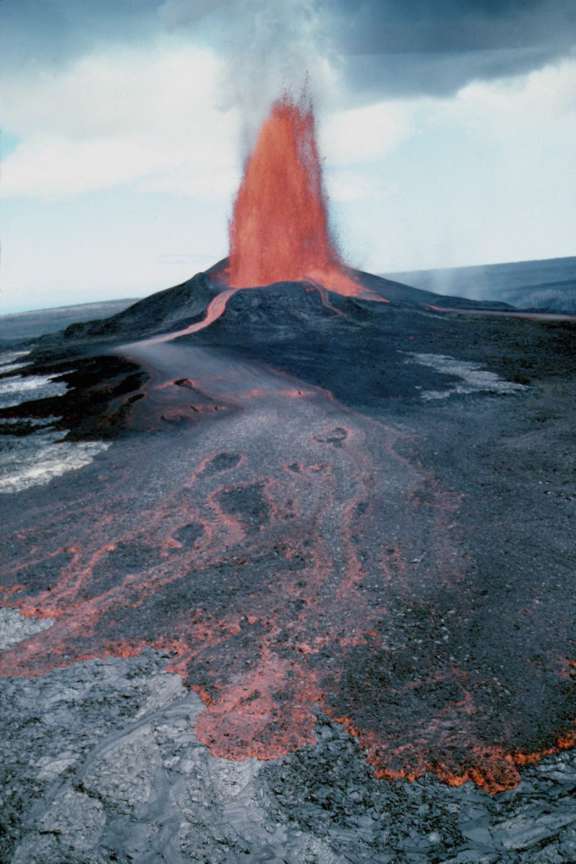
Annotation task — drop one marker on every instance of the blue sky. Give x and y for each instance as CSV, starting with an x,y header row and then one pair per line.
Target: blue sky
x,y
448,133
8,143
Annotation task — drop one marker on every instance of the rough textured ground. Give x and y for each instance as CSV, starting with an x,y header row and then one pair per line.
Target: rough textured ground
x,y
100,764
329,547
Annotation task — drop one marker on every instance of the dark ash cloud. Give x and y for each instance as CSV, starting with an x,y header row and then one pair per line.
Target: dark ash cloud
x,y
50,32
384,47
434,47
36,33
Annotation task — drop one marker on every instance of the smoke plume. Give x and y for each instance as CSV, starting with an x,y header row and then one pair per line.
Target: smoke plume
x,y
268,49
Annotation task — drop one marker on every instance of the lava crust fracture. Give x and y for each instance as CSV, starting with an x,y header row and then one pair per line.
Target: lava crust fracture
x,y
306,535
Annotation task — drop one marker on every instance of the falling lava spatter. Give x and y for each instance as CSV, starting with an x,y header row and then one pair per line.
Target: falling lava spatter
x,y
312,566
279,230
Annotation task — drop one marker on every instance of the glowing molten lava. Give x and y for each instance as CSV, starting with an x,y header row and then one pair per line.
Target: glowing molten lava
x,y
279,230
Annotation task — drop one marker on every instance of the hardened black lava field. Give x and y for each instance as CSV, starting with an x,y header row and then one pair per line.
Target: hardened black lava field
x,y
344,525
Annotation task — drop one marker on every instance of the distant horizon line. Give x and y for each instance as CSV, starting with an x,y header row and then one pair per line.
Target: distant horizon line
x,y
452,267
507,263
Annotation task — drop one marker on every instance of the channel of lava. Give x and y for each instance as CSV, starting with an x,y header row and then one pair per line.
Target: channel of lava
x,y
289,553
275,548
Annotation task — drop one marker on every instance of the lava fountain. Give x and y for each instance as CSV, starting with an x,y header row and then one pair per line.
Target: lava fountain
x,y
279,230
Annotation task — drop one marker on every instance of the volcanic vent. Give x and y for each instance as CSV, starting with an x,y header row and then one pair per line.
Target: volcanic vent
x,y
280,230
279,233
298,533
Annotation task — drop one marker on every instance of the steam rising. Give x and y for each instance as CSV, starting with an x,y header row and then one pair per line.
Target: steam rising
x,y
391,47
271,243
274,48
268,49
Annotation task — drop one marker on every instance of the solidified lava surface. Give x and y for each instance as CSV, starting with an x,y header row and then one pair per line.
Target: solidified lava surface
x,y
306,535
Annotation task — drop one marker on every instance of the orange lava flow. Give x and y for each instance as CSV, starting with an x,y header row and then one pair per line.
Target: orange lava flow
x,y
279,230
215,309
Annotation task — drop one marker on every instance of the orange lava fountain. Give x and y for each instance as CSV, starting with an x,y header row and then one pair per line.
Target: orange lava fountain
x,y
279,230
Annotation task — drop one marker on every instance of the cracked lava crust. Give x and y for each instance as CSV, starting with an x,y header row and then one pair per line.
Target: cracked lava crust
x,y
286,527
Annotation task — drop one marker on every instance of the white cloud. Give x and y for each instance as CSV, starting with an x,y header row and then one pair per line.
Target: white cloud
x,y
487,175
61,167
118,117
542,99
123,90
365,134
152,118
356,143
